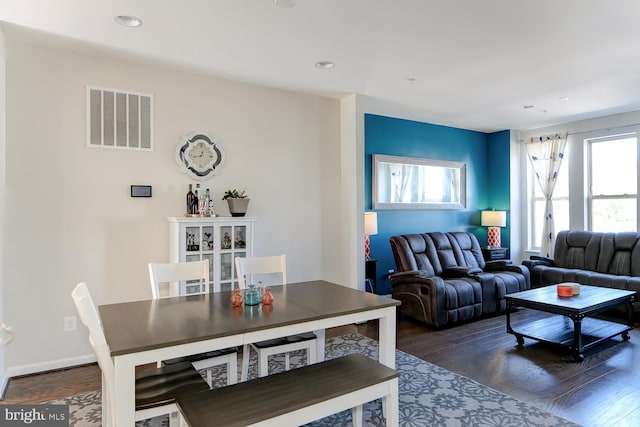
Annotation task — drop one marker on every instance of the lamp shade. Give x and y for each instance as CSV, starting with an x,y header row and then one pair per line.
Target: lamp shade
x,y
493,219
370,223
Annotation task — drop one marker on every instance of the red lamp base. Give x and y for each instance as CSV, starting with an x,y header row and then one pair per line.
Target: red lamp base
x,y
493,238
367,247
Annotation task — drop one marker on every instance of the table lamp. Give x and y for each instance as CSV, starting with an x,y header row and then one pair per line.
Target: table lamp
x,y
494,220
370,228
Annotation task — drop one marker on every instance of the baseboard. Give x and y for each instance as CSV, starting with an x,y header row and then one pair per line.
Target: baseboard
x,y
51,365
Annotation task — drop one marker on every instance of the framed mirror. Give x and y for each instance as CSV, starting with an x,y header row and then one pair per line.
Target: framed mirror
x,y
417,183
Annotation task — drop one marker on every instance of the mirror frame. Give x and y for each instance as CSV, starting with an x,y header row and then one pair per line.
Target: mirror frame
x,y
379,179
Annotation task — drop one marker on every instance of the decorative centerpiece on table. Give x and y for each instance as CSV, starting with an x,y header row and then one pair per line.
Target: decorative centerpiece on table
x,y
237,200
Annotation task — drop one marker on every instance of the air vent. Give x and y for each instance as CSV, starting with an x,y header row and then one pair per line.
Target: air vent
x,y
119,119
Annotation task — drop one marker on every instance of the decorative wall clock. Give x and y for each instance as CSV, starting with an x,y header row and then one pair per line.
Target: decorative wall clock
x,y
200,156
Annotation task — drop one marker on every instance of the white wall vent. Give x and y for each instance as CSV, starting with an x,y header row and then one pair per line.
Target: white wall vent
x,y
119,119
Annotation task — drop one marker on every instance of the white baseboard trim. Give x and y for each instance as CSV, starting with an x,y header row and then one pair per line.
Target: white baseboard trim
x,y
15,371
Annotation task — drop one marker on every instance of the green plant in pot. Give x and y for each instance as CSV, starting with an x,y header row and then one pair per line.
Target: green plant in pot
x,y
237,200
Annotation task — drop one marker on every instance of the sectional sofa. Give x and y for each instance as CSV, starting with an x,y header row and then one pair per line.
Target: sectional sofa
x,y
442,278
591,258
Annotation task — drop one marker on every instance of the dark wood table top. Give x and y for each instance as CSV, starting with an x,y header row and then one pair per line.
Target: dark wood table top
x,y
590,297
149,324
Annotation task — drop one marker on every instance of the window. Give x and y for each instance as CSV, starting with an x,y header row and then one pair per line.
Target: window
x,y
537,202
613,183
597,188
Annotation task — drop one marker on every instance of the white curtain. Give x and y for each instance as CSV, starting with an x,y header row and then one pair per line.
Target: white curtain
x,y
546,154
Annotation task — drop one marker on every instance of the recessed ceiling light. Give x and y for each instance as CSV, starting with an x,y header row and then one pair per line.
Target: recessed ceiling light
x,y
325,65
563,98
128,21
527,107
285,3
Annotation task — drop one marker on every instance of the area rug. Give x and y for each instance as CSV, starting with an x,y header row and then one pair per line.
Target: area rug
x,y
429,396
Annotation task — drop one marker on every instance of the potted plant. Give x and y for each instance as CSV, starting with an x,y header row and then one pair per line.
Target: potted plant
x,y
237,200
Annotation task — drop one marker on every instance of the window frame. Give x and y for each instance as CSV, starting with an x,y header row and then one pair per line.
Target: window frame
x,y
589,141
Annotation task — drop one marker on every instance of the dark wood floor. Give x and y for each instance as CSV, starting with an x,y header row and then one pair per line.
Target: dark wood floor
x,y
603,390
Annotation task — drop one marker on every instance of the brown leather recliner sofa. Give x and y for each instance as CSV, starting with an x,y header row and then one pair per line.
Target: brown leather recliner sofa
x,y
443,279
611,260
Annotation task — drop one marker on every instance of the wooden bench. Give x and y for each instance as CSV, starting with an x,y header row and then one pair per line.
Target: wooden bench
x,y
297,396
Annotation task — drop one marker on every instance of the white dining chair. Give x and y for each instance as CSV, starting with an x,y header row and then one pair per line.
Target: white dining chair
x,y
247,269
155,388
171,274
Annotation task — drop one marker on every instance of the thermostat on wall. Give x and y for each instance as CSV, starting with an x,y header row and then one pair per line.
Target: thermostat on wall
x,y
140,191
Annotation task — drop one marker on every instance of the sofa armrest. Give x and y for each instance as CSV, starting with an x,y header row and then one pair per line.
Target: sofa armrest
x,y
423,297
408,276
504,266
538,260
454,272
498,264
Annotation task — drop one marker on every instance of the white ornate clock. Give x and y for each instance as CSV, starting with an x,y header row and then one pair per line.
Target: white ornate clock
x,y
200,156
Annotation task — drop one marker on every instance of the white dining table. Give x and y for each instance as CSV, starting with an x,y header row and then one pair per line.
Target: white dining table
x,y
143,332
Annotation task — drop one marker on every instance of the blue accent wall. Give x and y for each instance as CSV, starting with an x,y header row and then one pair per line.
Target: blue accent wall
x,y
487,187
498,180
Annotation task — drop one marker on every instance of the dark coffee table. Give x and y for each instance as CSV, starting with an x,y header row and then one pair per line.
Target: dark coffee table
x,y
571,328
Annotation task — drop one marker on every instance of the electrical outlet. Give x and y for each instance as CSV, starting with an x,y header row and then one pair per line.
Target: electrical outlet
x,y
70,323
390,272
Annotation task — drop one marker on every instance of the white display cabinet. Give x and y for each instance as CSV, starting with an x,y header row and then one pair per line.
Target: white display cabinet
x,y
218,240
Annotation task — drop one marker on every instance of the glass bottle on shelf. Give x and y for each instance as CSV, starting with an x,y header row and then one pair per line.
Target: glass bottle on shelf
x,y
190,200
197,194
205,203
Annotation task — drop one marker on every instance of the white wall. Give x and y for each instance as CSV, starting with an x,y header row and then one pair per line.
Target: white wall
x,y
352,110
69,214
515,185
3,368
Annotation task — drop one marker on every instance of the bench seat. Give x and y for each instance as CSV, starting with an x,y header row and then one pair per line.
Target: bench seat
x,y
297,396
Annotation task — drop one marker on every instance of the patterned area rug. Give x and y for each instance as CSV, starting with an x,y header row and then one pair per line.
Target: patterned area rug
x,y
429,396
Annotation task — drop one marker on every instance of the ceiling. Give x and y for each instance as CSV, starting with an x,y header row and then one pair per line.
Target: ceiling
x,y
465,63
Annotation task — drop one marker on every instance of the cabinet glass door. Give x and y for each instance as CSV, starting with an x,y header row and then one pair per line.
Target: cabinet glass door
x,y
192,239
226,240
192,286
240,237
226,267
207,238
209,257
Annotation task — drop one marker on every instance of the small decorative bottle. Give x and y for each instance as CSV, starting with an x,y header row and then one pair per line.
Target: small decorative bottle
x,y
236,298
251,296
267,297
190,201
197,200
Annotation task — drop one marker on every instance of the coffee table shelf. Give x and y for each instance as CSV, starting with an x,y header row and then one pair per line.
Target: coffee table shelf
x,y
559,330
571,325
